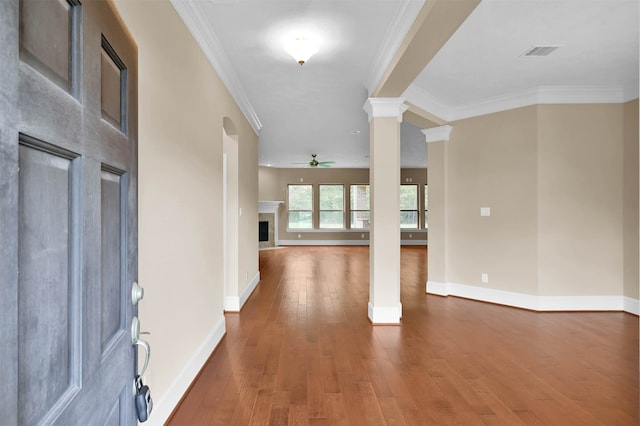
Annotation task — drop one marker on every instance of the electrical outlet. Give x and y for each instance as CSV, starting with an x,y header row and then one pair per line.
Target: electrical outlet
x,y
299,236
484,277
361,235
410,235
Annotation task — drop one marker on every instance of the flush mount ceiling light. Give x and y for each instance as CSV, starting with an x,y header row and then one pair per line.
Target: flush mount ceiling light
x,y
301,48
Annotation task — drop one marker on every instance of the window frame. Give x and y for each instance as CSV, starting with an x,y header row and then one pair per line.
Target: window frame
x,y
352,210
321,210
426,206
289,210
416,210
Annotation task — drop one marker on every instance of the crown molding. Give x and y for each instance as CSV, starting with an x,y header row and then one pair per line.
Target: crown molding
x,y
385,108
193,17
534,96
396,33
424,100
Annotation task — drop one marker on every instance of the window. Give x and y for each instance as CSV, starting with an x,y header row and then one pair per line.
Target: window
x,y
300,206
426,206
332,206
359,206
408,206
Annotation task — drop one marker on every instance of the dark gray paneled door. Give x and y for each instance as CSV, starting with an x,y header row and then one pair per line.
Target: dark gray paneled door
x,y
68,211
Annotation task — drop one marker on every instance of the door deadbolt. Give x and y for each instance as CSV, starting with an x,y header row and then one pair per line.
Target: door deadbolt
x,y
137,293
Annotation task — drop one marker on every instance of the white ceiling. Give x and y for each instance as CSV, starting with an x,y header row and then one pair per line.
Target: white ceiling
x,y
317,107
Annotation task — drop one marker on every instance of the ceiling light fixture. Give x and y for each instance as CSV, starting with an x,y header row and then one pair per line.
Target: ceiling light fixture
x,y
301,49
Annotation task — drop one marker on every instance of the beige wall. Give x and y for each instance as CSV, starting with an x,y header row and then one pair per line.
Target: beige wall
x,y
273,187
437,153
248,202
269,185
580,199
630,194
182,103
491,162
562,185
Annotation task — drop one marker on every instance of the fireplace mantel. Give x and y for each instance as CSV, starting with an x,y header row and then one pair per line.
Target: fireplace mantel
x,y
269,207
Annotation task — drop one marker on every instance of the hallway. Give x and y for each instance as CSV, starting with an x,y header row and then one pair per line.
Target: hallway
x,y
302,352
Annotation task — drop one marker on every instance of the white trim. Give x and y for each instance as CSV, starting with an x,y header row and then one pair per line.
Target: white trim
x,y
580,303
165,405
323,242
423,100
518,300
533,96
235,303
414,242
385,108
231,304
269,206
363,242
534,302
249,289
437,288
193,17
537,96
631,305
437,134
396,33
385,314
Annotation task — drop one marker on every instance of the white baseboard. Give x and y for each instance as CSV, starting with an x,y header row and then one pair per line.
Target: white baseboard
x,y
231,304
235,303
247,291
165,405
344,242
580,303
323,242
385,314
631,305
413,243
535,302
435,287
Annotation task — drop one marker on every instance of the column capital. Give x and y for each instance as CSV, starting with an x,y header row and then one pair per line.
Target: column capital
x,y
385,107
437,134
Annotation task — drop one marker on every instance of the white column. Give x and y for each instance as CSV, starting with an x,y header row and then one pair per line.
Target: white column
x,y
437,180
385,116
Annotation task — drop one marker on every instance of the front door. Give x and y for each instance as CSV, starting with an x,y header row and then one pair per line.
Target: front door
x,y
68,211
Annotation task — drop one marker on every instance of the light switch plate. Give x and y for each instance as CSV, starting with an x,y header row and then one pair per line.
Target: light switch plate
x,y
485,211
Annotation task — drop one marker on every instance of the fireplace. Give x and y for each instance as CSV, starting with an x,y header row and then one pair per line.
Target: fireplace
x,y
268,223
263,230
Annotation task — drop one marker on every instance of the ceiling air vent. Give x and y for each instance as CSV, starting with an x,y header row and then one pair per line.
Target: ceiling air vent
x,y
539,50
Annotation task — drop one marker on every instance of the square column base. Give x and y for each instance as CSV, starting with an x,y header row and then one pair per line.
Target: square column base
x,y
385,315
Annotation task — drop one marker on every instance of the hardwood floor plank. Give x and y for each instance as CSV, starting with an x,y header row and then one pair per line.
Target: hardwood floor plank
x,y
303,352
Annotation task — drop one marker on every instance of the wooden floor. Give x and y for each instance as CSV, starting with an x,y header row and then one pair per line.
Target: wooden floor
x,y
302,352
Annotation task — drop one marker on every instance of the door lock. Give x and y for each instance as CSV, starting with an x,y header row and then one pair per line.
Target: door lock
x,y
137,293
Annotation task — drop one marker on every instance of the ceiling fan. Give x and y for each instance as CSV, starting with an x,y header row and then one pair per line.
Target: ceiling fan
x,y
316,163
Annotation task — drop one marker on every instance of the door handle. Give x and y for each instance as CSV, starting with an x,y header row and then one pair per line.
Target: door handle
x,y
147,357
137,341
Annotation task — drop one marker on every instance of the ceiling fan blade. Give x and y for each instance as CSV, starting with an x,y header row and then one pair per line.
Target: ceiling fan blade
x,y
306,162
326,162
326,166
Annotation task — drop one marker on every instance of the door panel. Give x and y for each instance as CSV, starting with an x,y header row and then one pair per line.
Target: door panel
x,y
48,282
49,39
68,204
112,245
